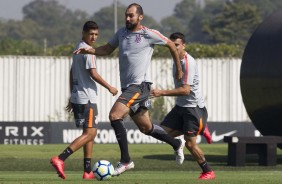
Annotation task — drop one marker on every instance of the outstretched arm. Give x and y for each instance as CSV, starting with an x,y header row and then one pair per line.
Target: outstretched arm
x,y
99,51
95,76
175,56
184,90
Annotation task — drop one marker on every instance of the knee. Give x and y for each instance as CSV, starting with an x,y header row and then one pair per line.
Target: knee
x,y
189,145
90,137
114,116
145,129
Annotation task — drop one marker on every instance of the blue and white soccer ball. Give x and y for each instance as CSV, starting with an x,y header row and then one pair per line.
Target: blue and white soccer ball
x,y
103,170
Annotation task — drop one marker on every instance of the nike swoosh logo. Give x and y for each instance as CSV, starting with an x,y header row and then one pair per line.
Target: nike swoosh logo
x,y
216,138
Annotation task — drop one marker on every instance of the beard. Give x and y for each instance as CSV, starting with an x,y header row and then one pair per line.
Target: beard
x,y
131,26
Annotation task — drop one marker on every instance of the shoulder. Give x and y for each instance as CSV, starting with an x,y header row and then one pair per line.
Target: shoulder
x,y
122,31
154,33
190,58
82,44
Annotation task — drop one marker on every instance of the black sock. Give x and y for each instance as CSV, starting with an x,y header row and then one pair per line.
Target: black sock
x,y
122,140
66,153
205,167
160,134
87,165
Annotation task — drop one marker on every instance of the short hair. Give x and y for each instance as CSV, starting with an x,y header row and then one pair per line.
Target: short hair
x,y
90,25
177,35
139,9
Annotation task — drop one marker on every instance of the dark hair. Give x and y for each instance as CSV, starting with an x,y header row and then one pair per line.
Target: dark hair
x,y
139,8
177,35
90,25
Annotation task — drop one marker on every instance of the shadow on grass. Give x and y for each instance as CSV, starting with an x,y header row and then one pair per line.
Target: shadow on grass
x,y
217,160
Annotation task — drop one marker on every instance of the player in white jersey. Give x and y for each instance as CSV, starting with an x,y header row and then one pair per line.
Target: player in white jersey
x,y
136,44
83,102
189,116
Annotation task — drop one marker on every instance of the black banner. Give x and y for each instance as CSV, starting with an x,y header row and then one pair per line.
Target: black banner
x,y
33,133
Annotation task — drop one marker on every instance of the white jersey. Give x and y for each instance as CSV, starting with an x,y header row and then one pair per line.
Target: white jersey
x,y
190,77
84,87
135,53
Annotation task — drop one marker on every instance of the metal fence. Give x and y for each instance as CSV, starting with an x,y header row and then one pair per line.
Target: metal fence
x,y
37,88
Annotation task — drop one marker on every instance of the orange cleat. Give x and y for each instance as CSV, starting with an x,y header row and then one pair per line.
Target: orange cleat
x,y
207,176
59,165
88,176
207,134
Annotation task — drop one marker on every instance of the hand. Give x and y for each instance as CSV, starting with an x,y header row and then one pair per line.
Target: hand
x,y
88,50
179,74
69,107
113,90
155,93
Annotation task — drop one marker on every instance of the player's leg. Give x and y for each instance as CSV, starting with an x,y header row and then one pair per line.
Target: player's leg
x,y
84,116
192,126
197,153
87,150
142,120
117,113
206,132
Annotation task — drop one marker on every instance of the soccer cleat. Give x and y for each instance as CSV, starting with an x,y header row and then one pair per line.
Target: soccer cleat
x,y
207,176
207,134
179,155
88,176
122,167
58,164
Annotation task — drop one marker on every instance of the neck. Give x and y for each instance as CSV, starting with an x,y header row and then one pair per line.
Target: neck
x,y
137,28
182,55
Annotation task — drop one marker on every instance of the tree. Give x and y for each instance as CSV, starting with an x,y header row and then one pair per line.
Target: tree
x,y
234,24
171,24
57,23
264,7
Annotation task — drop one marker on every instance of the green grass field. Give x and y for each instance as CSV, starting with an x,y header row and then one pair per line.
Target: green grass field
x,y
154,163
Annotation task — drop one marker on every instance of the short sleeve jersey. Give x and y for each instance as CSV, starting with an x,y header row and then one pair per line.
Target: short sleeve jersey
x,y
190,77
84,87
135,53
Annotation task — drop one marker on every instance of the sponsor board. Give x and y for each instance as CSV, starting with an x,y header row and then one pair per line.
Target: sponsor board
x,y
24,133
32,133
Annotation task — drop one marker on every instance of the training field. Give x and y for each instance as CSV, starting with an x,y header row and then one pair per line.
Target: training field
x,y
154,163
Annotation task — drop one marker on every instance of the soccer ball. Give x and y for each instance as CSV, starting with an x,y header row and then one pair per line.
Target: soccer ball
x,y
103,170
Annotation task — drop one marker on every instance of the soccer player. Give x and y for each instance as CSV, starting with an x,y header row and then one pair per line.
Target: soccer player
x,y
83,102
189,116
136,44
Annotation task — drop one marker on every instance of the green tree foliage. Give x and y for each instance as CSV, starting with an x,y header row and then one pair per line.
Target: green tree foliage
x,y
223,24
264,7
234,24
9,46
47,20
170,25
204,51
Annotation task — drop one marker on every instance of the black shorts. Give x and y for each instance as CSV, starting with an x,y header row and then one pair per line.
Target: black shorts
x,y
85,115
190,121
136,96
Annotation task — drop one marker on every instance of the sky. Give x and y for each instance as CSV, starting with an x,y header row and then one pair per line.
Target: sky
x,y
159,9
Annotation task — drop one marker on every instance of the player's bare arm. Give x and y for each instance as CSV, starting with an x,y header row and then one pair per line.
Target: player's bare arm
x,y
175,56
99,51
95,76
184,90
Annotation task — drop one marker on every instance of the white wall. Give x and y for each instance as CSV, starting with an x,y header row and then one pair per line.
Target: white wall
x,y
37,88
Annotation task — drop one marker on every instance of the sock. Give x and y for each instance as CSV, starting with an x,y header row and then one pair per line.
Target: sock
x,y
122,140
66,153
160,134
87,165
205,167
